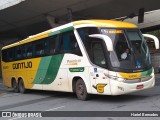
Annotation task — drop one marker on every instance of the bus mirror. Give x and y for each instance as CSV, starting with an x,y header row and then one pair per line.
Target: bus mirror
x,y
154,38
106,39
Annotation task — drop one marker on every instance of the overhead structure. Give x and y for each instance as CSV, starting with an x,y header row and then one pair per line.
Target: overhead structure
x,y
32,16
8,3
151,19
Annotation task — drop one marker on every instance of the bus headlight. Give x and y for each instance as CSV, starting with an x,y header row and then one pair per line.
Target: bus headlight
x,y
121,79
115,78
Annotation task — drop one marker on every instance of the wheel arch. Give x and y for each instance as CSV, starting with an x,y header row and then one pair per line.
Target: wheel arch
x,y
87,84
20,78
12,79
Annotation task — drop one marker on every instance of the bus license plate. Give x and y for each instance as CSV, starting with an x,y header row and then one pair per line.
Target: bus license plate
x,y
140,86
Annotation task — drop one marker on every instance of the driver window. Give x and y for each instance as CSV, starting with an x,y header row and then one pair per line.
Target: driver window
x,y
98,54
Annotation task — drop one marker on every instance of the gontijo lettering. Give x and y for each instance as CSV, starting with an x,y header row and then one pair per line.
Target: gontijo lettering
x,y
22,65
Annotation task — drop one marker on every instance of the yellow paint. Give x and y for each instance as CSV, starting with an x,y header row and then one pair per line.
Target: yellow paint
x,y
130,75
106,23
100,88
27,74
72,64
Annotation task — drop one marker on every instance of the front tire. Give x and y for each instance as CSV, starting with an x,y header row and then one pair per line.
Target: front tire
x,y
22,88
81,90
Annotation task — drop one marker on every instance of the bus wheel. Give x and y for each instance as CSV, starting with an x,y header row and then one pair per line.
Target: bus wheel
x,y
15,86
81,90
22,88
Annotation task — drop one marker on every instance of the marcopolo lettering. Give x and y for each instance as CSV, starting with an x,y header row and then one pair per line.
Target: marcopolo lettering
x,y
22,65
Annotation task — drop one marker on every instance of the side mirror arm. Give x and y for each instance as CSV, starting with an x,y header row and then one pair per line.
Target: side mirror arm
x,y
156,40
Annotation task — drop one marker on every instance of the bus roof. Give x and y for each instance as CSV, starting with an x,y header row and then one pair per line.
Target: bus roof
x,y
105,23
76,24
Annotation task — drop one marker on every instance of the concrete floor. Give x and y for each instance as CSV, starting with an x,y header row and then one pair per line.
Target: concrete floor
x,y
147,100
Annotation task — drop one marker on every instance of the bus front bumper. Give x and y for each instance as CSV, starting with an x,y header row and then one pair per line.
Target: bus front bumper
x,y
119,88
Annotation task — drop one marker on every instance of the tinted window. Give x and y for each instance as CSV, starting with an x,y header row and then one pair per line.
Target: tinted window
x,y
4,55
56,44
39,48
53,40
69,44
98,54
11,54
24,51
84,34
18,54
29,50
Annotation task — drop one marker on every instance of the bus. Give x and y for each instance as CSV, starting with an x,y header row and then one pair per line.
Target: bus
x,y
104,57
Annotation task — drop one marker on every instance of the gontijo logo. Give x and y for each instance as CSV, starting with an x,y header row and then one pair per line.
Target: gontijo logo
x,y
22,65
100,88
73,62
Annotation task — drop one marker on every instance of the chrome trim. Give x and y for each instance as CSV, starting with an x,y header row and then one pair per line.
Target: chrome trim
x,y
138,80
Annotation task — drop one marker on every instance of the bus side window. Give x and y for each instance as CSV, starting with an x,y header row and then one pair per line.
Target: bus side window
x,y
69,44
74,47
65,46
52,44
23,51
39,48
11,54
84,35
46,46
18,53
29,49
60,43
4,55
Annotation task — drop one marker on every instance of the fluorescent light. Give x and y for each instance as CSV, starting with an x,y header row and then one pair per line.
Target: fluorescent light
x,y
8,3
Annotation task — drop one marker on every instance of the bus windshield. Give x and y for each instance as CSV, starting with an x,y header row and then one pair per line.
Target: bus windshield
x,y
130,49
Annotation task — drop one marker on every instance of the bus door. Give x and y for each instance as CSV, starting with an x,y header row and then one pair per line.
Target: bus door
x,y
99,80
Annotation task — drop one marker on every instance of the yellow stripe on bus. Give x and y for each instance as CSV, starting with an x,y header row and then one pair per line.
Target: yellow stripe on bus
x,y
130,75
106,23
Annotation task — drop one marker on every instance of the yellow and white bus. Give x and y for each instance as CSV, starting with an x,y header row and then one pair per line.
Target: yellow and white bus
x,y
86,57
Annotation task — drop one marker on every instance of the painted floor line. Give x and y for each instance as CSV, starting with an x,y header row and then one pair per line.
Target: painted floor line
x,y
15,118
55,108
